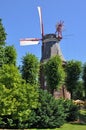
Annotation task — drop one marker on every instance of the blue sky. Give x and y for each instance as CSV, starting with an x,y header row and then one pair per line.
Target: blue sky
x,y
20,19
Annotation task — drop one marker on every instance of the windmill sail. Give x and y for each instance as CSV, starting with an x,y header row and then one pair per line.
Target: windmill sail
x,y
33,41
29,41
41,22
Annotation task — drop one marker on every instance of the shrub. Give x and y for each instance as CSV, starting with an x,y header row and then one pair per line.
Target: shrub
x,y
49,114
71,109
16,104
82,115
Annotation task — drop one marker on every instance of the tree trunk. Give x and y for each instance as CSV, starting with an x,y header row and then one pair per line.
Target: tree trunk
x,y
71,95
63,91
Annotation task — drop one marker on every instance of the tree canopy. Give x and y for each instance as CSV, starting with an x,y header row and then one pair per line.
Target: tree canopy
x,y
9,76
2,34
73,71
30,68
7,53
10,55
84,78
54,73
17,99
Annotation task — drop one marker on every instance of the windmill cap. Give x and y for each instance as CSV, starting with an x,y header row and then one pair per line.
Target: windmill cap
x,y
50,37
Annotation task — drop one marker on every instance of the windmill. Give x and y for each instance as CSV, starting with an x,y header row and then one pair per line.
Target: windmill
x,y
50,48
50,43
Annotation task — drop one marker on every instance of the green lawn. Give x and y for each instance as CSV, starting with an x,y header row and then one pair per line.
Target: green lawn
x,y
72,127
67,127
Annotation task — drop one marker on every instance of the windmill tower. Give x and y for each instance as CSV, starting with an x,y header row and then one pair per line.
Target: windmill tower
x,y
50,45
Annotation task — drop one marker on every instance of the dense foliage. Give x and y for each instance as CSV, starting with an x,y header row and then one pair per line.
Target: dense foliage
x,y
70,109
50,114
9,76
82,116
84,78
16,102
10,55
73,71
30,68
2,43
2,55
78,93
2,34
7,53
54,73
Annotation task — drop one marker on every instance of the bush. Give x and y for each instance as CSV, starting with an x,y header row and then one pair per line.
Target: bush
x,y
82,116
50,114
16,105
71,109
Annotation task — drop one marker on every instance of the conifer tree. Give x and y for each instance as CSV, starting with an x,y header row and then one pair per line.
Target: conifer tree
x,y
2,34
2,43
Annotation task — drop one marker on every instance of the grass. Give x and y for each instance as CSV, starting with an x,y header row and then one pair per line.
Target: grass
x,y
67,127
72,127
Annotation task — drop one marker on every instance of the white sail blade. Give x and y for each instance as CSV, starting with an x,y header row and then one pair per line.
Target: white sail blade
x,y
27,42
41,22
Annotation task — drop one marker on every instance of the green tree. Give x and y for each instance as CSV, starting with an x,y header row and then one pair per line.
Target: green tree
x,y
16,105
84,78
9,76
2,34
17,99
10,55
50,114
73,71
30,68
2,43
7,53
54,73
78,92
2,55
70,109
